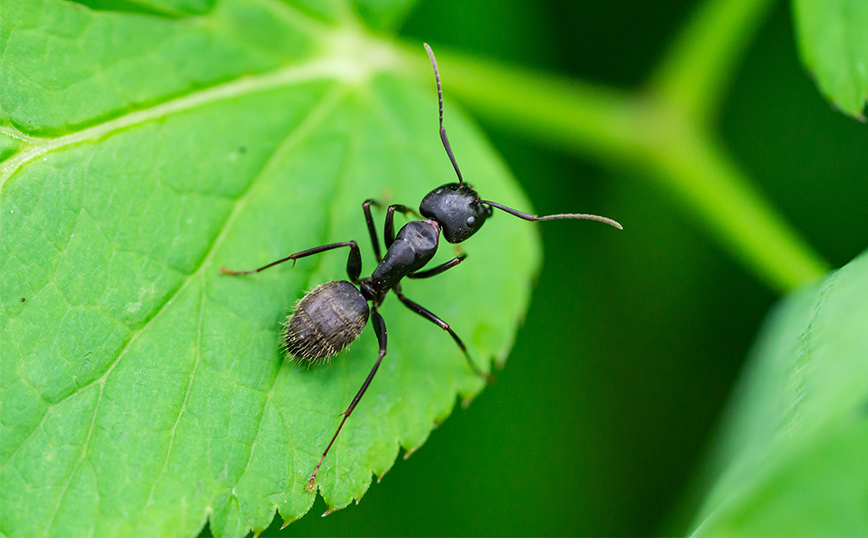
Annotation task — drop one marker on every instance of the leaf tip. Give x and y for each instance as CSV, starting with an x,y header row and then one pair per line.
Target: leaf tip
x,y
857,114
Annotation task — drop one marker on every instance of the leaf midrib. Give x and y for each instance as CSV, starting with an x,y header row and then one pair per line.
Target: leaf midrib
x,y
342,60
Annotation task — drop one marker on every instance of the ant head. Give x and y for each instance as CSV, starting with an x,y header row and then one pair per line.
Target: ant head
x,y
457,207
458,210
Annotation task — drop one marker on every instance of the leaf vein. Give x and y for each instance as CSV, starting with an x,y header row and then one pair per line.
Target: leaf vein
x,y
183,407
323,239
77,464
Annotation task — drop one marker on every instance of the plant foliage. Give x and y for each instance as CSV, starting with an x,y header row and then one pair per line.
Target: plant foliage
x,y
142,391
834,47
146,143
791,454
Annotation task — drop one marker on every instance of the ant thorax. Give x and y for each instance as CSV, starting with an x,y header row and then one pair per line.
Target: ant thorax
x,y
414,246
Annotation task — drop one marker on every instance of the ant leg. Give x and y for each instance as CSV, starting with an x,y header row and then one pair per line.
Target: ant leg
x,y
427,314
380,330
389,231
439,269
354,260
366,207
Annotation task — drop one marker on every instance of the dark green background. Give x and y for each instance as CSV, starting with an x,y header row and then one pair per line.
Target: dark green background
x,y
634,339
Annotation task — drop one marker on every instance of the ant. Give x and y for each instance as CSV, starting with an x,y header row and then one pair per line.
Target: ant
x,y
333,315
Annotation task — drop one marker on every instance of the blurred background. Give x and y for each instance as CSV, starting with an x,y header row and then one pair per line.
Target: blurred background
x,y
633,340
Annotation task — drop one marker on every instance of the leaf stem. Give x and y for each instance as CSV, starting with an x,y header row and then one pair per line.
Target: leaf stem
x,y
699,173
645,131
696,70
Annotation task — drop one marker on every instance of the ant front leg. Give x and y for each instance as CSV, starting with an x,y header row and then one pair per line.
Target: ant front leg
x,y
389,231
439,269
380,330
354,260
430,316
369,220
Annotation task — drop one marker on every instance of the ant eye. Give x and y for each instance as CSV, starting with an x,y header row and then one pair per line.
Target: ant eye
x,y
471,220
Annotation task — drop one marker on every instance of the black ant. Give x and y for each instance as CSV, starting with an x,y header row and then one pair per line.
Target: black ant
x,y
333,315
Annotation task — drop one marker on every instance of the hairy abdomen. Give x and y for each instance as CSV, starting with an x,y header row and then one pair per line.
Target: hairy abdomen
x,y
325,321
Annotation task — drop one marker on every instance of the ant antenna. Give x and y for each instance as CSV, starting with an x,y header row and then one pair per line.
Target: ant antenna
x,y
443,130
527,216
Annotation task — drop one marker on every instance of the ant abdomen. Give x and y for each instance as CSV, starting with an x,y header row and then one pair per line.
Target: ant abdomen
x,y
325,321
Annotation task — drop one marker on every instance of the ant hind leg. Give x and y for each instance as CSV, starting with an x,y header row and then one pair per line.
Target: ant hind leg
x,y
380,330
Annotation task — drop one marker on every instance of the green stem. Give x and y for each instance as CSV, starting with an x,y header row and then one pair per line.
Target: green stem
x,y
696,70
699,173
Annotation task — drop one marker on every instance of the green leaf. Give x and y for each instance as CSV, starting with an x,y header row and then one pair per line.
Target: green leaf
x,y
791,457
834,46
143,392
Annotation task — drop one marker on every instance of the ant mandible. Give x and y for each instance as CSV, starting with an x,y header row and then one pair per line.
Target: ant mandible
x,y
333,315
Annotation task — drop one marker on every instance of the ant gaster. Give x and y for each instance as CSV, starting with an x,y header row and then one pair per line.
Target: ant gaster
x,y
333,315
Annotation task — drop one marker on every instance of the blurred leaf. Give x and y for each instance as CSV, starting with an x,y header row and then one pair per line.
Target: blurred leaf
x,y
383,15
834,47
142,391
792,452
